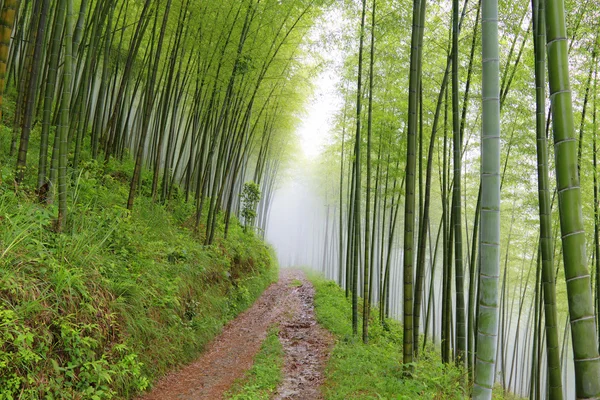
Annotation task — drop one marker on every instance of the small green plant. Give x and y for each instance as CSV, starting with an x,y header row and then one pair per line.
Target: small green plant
x,y
296,283
261,381
250,198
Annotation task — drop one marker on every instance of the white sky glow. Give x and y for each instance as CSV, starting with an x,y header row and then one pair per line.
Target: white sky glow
x,y
318,121
317,125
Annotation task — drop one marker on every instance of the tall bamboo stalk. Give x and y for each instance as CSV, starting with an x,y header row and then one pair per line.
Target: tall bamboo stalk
x,y
581,302
456,201
357,184
63,128
490,206
367,254
409,204
547,264
7,20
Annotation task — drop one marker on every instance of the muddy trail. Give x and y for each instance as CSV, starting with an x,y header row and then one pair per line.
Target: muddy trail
x,y
288,303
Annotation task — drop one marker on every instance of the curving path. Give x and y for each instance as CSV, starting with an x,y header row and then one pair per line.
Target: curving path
x,y
305,343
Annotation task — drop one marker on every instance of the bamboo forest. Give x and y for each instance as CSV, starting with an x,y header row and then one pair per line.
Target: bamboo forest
x,y
299,199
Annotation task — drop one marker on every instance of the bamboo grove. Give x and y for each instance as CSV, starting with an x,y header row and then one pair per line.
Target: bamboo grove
x,y
452,212
200,96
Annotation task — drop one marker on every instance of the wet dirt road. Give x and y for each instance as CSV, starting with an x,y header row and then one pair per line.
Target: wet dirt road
x,y
289,303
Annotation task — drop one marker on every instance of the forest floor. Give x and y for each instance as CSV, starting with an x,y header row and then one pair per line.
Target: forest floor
x,y
287,304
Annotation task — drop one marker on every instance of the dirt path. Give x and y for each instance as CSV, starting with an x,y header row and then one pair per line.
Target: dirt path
x,y
307,347
288,302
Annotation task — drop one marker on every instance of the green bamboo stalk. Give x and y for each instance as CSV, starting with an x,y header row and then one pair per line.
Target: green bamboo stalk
x,y
63,128
446,267
49,91
470,328
31,90
409,204
357,190
487,332
581,302
547,279
456,201
341,201
596,212
367,260
423,201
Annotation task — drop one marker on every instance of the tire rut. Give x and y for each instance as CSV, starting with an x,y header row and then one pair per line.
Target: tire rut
x,y
307,347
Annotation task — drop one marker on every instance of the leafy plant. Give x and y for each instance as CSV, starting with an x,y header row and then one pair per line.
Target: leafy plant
x,y
250,198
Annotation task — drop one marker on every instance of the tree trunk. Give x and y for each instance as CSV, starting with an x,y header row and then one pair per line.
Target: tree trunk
x,y
367,262
7,20
547,256
409,204
581,302
490,206
63,128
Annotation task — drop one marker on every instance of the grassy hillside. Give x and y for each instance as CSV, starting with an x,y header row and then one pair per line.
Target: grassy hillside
x,y
118,299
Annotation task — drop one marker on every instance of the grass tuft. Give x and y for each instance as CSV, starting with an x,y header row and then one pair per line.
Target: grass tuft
x,y
261,381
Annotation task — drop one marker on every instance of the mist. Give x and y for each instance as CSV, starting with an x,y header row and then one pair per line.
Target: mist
x,y
296,220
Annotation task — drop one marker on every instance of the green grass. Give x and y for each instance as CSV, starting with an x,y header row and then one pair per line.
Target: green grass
x,y
295,283
261,381
121,297
375,371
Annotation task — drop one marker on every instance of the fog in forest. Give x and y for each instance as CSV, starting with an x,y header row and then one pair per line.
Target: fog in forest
x,y
295,223
296,230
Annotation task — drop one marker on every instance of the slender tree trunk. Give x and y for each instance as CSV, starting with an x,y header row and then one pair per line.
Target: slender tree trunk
x,y
31,89
585,103
63,128
366,304
341,200
357,184
409,205
456,201
581,302
473,281
490,206
547,263
7,20
596,199
50,88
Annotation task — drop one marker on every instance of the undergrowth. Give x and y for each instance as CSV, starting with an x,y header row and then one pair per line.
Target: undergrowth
x,y
121,297
375,371
261,381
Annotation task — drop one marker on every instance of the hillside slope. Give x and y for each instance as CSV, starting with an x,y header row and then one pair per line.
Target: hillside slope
x,y
118,299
